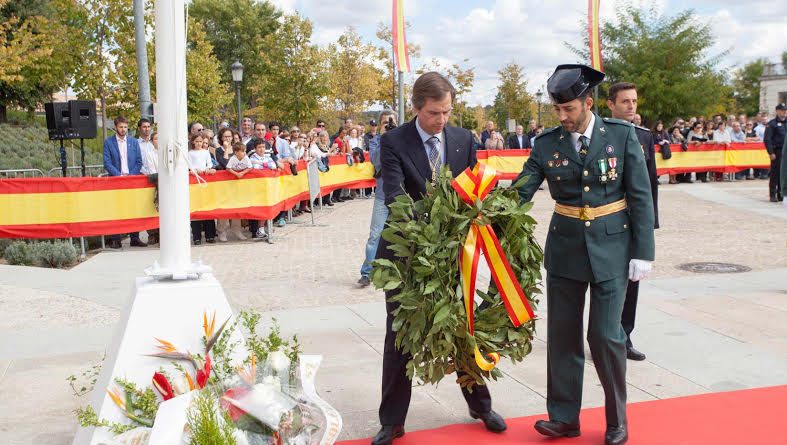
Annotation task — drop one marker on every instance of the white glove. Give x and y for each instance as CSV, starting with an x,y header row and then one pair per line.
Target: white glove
x,y
639,269
784,203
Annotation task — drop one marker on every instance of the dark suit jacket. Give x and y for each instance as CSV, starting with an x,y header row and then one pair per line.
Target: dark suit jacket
x,y
647,140
405,166
112,156
513,141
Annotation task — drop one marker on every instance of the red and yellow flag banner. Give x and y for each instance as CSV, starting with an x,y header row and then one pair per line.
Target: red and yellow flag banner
x,y
594,36
473,186
399,40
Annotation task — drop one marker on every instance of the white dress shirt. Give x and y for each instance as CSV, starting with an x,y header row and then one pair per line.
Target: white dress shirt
x,y
149,157
426,136
123,149
588,132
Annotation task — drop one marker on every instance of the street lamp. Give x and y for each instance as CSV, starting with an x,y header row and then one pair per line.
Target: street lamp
x,y
237,77
539,95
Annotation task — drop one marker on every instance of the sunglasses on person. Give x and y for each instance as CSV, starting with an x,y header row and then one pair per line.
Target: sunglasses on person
x,y
321,125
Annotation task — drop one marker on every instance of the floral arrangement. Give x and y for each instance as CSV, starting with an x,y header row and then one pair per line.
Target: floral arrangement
x,y
259,401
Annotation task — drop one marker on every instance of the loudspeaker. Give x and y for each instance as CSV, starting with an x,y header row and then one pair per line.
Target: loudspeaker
x,y
83,118
58,119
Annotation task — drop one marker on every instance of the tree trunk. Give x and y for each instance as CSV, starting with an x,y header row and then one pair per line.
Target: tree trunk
x,y
103,116
3,113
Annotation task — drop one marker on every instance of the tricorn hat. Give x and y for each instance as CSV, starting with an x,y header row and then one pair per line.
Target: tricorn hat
x,y
569,82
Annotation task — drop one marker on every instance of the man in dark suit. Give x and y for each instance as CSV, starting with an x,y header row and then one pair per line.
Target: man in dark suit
x,y
122,157
622,102
519,139
411,155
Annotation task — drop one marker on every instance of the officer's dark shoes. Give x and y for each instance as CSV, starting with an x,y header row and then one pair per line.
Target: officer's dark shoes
x,y
633,354
616,435
773,198
387,434
555,428
492,420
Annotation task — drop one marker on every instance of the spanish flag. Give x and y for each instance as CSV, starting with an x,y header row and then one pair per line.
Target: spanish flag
x,y
399,39
594,36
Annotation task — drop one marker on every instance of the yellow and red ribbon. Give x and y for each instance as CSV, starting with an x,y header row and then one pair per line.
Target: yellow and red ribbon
x,y
473,186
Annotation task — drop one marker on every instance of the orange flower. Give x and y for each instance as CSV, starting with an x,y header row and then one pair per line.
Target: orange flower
x,y
114,394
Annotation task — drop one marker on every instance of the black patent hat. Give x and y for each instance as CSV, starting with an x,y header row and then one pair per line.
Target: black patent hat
x,y
569,82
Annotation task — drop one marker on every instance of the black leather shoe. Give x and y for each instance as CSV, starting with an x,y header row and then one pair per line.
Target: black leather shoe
x,y
115,245
633,354
616,435
387,434
138,243
555,428
492,421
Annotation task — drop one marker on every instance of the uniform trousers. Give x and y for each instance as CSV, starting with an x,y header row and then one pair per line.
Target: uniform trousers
x,y
630,310
774,184
565,346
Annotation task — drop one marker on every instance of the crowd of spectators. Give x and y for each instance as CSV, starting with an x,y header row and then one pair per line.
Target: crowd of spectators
x,y
258,145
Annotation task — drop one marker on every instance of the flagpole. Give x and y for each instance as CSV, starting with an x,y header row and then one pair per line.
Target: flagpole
x,y
400,105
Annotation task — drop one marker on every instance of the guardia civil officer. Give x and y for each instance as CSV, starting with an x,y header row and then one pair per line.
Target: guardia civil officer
x,y
774,140
622,102
600,236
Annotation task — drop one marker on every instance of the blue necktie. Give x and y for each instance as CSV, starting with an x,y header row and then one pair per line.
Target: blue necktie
x,y
434,156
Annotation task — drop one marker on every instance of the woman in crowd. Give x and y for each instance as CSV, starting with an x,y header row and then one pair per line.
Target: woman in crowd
x,y
341,146
697,137
323,145
223,155
353,139
477,141
661,139
201,164
494,141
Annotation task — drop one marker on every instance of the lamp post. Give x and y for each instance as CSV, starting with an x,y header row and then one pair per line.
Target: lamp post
x,y
539,95
237,77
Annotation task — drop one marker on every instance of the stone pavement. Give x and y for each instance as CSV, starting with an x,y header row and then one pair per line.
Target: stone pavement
x,y
701,332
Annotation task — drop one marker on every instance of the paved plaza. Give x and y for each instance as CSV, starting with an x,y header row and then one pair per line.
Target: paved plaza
x,y
701,332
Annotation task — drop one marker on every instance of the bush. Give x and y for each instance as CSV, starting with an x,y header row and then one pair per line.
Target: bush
x,y
57,255
4,243
19,253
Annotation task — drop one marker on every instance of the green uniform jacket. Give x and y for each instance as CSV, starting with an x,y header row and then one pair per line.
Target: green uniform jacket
x,y
598,250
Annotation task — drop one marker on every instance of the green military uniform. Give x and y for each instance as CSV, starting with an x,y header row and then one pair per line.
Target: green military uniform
x,y
590,252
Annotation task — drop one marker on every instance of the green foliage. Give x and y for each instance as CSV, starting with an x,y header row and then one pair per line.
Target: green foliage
x,y
19,253
140,407
86,380
430,322
207,424
746,85
512,100
29,147
666,56
87,417
353,76
207,92
58,254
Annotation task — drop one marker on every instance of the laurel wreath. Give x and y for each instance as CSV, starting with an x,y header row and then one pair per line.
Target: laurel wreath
x,y
430,321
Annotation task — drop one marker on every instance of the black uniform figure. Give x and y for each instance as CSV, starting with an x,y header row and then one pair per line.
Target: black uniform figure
x,y
774,140
645,138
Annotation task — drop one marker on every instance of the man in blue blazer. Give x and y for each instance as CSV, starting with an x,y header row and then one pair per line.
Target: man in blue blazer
x,y
122,157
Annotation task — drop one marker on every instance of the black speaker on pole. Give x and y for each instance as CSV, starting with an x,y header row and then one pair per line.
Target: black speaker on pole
x,y
83,118
58,119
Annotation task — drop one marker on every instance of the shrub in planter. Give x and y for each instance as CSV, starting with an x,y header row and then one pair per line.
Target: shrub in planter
x,y
57,255
19,253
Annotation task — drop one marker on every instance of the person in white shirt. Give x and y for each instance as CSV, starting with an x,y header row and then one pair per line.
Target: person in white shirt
x,y
262,157
239,164
201,163
149,152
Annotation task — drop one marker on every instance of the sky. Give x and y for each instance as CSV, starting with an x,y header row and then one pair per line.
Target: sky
x,y
492,33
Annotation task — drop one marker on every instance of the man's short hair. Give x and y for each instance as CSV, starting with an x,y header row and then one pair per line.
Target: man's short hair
x,y
272,124
192,124
120,120
382,118
142,121
259,123
612,94
431,85
236,147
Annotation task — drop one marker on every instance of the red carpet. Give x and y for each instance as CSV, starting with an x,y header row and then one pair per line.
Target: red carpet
x,y
754,416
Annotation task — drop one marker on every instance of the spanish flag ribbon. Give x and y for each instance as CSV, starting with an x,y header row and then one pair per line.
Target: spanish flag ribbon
x,y
473,186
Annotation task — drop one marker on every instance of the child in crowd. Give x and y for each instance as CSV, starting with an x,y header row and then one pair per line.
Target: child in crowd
x,y
239,164
201,163
262,158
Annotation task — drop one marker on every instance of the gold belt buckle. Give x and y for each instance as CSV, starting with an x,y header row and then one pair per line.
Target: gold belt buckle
x,y
586,214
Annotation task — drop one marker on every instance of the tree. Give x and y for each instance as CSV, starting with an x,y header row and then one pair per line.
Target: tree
x,y
666,57
292,90
353,76
746,85
512,100
38,52
461,79
389,89
237,29
207,92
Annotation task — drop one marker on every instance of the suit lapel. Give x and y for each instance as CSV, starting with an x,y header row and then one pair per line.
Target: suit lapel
x,y
566,147
598,141
417,152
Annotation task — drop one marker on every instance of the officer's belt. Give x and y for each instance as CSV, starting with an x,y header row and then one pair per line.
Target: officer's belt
x,y
590,213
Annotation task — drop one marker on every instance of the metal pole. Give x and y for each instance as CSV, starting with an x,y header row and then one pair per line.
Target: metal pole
x,y
142,59
237,94
63,159
173,172
401,97
82,154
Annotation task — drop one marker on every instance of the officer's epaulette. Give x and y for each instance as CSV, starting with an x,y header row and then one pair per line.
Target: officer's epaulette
x,y
642,128
612,120
548,131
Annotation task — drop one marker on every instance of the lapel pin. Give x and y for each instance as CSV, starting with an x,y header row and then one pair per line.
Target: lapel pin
x,y
602,130
610,150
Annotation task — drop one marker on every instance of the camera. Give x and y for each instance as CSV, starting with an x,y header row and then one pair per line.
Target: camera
x,y
390,125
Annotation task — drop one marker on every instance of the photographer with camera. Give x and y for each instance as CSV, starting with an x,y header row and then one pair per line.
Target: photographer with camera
x,y
379,212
